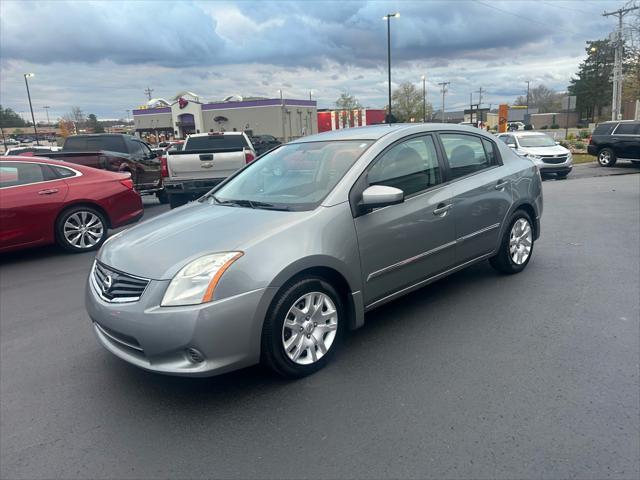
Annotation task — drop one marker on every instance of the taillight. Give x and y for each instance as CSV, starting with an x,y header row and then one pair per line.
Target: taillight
x,y
164,168
127,182
249,156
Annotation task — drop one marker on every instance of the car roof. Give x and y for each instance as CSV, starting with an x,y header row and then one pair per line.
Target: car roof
x,y
23,159
376,132
206,134
525,134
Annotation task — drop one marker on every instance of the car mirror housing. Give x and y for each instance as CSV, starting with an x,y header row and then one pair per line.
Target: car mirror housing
x,y
511,145
378,196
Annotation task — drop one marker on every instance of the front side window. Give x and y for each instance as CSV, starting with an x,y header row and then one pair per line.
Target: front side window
x,y
604,129
465,154
412,166
293,177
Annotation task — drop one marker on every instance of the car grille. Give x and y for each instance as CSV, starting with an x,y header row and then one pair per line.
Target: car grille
x,y
117,287
554,158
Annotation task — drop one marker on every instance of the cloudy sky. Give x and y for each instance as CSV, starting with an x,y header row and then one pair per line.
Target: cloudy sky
x,y
101,56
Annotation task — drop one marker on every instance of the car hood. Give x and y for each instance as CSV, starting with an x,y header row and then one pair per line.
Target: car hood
x,y
158,248
554,150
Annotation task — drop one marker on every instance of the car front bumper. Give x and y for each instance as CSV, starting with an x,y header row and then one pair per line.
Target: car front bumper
x,y
225,332
548,168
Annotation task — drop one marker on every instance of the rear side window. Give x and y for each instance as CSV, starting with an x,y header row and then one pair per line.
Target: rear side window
x,y
217,141
465,153
604,129
628,129
62,172
13,174
76,144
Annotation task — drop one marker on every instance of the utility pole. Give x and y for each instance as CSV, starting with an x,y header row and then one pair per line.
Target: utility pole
x,y
424,99
148,92
471,107
480,98
528,82
46,109
444,91
616,102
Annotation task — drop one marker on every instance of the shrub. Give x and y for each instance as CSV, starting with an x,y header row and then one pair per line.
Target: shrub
x,y
544,127
555,126
565,144
528,126
571,136
579,146
584,133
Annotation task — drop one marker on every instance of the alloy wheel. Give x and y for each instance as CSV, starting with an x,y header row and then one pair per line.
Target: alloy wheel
x,y
520,241
83,229
309,328
605,158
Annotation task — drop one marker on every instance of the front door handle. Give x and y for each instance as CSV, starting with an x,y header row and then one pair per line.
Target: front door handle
x,y
442,209
48,191
501,185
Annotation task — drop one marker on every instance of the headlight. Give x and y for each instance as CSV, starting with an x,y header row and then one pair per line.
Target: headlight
x,y
196,282
533,157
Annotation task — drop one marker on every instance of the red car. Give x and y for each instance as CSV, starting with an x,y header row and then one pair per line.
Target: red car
x,y
44,201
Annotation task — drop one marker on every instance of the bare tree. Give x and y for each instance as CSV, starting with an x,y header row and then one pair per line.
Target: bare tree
x,y
347,102
407,103
542,97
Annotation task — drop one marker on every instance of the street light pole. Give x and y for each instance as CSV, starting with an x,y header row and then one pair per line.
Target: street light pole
x,y
424,99
33,118
388,18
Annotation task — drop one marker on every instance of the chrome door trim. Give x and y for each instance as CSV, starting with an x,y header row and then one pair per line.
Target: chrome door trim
x,y
420,256
478,232
408,261
421,283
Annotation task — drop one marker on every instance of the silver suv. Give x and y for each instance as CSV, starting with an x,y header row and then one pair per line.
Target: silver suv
x,y
275,263
549,156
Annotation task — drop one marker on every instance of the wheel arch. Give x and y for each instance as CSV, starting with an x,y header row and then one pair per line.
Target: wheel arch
x,y
84,203
333,273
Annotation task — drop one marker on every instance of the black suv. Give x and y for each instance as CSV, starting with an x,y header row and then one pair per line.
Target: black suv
x,y
613,141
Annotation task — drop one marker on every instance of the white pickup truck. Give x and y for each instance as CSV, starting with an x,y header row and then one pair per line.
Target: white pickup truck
x,y
205,161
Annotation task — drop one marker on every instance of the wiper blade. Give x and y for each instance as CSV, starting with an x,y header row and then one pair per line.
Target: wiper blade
x,y
250,204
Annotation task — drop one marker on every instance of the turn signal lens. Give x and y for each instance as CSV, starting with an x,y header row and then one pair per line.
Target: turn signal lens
x,y
249,157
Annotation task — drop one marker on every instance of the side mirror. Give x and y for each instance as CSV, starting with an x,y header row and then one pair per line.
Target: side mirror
x,y
511,145
378,196
153,155
557,143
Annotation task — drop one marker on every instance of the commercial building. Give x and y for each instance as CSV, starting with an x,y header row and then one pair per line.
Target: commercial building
x,y
337,119
285,119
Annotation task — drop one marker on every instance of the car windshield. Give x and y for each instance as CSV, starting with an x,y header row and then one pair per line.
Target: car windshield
x,y
293,177
536,141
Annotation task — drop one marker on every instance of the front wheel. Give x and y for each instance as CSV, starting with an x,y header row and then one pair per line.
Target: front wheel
x,y
516,246
606,158
303,328
81,229
163,196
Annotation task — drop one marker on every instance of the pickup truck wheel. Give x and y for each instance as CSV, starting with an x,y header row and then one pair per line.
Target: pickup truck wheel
x,y
176,201
163,196
81,229
606,157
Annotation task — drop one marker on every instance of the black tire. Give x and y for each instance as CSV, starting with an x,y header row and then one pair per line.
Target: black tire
x,y
163,196
606,158
502,261
176,201
273,350
67,245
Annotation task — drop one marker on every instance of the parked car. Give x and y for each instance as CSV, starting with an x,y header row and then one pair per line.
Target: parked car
x,y
275,263
205,161
43,201
26,140
117,153
264,143
613,141
11,141
544,151
31,151
515,126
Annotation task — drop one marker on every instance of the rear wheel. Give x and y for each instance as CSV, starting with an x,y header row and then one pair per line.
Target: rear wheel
x,y
177,200
303,328
163,196
516,246
606,157
81,229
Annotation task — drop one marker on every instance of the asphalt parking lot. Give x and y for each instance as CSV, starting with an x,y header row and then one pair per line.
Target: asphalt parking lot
x,y
477,376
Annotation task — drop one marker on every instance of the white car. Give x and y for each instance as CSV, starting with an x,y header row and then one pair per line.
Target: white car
x,y
32,151
549,156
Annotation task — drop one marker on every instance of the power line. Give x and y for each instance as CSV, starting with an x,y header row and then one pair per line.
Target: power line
x,y
514,14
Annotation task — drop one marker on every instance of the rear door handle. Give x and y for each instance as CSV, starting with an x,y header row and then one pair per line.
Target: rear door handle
x,y
501,185
48,191
442,209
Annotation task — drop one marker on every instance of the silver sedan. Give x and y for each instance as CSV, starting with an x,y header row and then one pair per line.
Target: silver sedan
x,y
275,263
